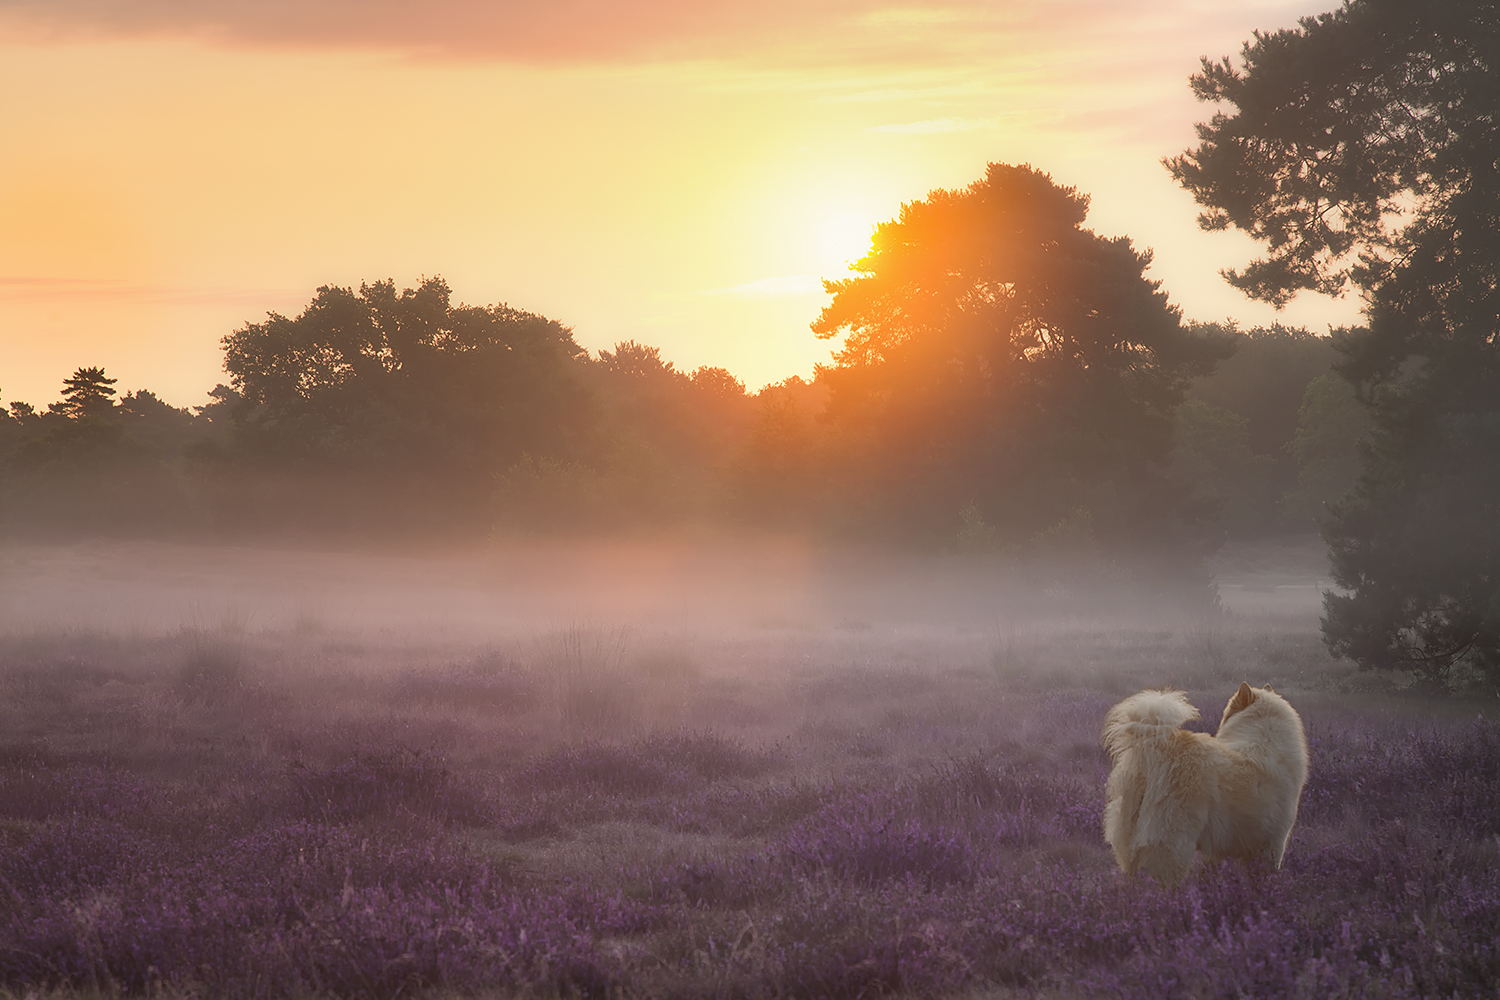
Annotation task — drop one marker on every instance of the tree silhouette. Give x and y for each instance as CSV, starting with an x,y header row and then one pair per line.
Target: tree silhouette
x,y
996,351
1363,149
408,380
88,393
397,409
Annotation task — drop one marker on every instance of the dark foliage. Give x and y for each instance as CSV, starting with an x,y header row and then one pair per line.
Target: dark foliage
x,y
664,440
89,463
1418,541
1332,426
1264,382
1259,392
1363,148
996,350
414,401
87,394
1271,439
1335,122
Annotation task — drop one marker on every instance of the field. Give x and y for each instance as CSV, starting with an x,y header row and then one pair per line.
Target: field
x,y
688,774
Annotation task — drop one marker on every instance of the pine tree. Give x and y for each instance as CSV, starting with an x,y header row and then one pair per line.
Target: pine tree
x,y
88,394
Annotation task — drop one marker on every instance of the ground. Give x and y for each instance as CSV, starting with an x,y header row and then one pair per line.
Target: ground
x,y
690,771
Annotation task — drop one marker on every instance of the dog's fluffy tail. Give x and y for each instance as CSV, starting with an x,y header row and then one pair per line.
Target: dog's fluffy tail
x,y
1143,716
1146,823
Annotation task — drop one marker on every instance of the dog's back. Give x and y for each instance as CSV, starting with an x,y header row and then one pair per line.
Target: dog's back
x,y
1258,804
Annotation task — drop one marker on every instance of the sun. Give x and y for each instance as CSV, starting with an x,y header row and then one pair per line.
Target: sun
x,y
843,236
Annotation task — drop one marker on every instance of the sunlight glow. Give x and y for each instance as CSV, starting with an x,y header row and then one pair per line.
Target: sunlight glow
x,y
159,189
843,237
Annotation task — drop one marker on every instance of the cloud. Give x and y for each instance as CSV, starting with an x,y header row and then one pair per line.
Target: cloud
x,y
939,125
20,281
825,31
942,94
906,16
791,284
540,30
21,288
26,288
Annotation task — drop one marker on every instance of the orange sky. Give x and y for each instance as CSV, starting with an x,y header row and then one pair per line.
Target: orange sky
x,y
680,172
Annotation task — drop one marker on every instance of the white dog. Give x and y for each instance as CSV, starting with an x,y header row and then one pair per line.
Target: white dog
x,y
1172,792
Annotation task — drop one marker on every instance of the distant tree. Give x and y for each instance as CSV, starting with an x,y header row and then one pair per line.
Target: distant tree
x,y
1263,382
777,477
780,441
995,351
718,382
665,438
88,393
647,399
149,419
80,468
1330,427
381,376
667,424
1363,149
413,403
78,431
1265,379
637,361
10,429
723,407
1212,458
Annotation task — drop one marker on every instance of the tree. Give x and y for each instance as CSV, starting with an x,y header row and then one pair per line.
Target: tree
x,y
80,466
80,430
1363,150
152,421
1331,424
1264,382
415,402
630,360
408,378
672,426
995,351
718,382
87,394
1213,459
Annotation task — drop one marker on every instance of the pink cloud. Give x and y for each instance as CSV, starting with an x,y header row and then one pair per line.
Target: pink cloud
x,y
607,30
541,30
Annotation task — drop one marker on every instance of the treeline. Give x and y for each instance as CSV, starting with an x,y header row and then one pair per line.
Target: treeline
x,y
1012,413
617,441
1269,441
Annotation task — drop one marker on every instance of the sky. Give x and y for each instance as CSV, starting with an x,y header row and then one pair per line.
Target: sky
x,y
677,172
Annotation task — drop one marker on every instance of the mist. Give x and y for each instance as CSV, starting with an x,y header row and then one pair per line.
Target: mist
x,y
735,587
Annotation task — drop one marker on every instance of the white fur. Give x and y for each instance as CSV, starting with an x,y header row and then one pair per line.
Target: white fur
x,y
1173,792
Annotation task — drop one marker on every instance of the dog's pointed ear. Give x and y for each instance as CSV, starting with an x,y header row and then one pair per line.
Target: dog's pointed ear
x,y
1242,699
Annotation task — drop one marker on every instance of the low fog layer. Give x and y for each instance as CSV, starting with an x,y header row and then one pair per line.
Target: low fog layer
x,y
490,592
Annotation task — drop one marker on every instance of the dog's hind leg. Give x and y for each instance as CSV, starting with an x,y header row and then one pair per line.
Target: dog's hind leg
x,y
1169,863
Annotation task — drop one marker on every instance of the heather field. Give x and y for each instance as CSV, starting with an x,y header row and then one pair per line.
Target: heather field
x,y
833,791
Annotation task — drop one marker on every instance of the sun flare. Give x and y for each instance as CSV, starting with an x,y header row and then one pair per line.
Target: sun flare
x,y
843,237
